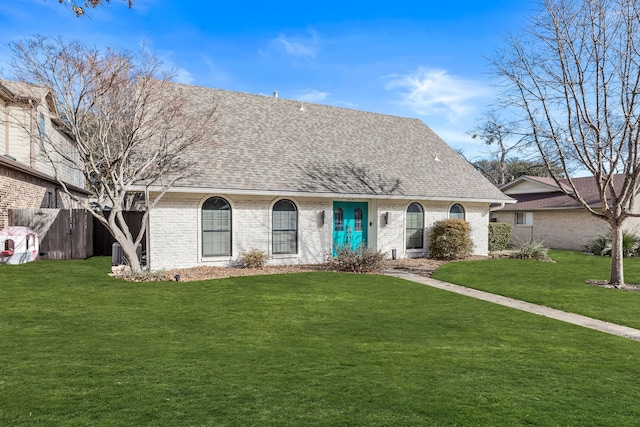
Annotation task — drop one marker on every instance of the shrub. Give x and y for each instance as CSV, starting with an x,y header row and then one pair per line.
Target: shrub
x,y
530,249
361,260
601,245
450,239
499,236
598,245
255,258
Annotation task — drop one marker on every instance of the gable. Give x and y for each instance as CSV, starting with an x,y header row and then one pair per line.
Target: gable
x,y
526,186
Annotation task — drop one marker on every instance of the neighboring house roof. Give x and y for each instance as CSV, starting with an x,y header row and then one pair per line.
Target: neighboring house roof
x,y
270,145
24,91
545,199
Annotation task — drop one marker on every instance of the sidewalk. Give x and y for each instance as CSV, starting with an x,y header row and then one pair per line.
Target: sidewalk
x,y
576,319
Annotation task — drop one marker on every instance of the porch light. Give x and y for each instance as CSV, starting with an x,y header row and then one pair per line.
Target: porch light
x,y
385,218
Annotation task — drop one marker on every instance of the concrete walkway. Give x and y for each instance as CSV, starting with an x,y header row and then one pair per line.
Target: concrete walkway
x,y
576,319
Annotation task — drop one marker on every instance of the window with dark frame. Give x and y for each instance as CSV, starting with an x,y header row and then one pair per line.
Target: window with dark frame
x,y
216,227
456,211
285,227
415,226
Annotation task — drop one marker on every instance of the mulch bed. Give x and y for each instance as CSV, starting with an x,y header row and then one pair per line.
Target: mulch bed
x,y
421,266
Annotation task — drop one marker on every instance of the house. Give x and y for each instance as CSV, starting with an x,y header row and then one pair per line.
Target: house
x,y
298,180
26,175
544,212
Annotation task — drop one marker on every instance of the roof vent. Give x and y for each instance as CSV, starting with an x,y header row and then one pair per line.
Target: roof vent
x,y
302,106
275,93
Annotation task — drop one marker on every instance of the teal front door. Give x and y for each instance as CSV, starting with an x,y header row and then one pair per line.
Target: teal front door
x,y
349,225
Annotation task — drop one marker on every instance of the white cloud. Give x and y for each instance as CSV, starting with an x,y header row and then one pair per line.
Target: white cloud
x,y
433,91
311,95
183,76
295,46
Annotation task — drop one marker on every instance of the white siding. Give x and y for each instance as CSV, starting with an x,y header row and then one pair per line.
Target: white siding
x,y
524,187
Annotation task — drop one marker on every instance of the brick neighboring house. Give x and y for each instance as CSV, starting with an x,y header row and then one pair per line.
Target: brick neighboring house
x,y
26,176
296,180
543,212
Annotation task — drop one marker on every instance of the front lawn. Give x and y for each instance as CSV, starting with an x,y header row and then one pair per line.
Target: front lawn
x,y
309,349
560,285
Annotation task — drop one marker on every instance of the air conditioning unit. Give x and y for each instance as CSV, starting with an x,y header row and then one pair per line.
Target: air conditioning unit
x,y
118,257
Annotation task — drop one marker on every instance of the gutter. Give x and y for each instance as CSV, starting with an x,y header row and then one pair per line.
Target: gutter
x,y
497,208
339,196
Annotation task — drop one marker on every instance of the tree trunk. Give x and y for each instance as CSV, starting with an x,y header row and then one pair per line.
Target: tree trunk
x,y
131,253
617,271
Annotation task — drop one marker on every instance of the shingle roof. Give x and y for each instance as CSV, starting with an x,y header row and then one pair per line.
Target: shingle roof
x,y
25,90
586,187
269,144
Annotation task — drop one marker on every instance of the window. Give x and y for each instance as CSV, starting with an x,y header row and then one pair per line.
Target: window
x,y
216,227
524,218
415,226
285,227
338,219
456,211
49,200
41,128
357,217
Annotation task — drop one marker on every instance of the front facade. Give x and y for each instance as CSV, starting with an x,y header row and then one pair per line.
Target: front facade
x,y
545,213
26,174
299,181
310,230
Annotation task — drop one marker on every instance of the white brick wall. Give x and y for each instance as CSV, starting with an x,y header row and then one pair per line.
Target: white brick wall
x,y
393,235
176,241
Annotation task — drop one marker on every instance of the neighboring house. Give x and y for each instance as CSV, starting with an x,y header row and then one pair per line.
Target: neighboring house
x,y
297,180
26,175
543,212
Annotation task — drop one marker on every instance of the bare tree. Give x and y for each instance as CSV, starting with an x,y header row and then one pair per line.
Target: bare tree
x,y
494,131
574,74
79,6
131,126
499,173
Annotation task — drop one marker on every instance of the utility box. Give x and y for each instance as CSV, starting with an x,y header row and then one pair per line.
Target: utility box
x,y
118,257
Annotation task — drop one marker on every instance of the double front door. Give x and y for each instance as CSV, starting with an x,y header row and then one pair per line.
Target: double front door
x,y
349,225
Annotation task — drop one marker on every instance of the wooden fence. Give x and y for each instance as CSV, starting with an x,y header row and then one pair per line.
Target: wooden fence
x,y
63,233
102,238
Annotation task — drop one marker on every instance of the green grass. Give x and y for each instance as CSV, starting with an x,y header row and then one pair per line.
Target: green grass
x,y
312,349
560,285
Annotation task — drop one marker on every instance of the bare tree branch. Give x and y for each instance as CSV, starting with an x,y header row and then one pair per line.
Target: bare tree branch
x,y
574,75
131,125
79,7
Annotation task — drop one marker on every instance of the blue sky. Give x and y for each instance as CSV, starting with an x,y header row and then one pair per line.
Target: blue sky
x,y
424,59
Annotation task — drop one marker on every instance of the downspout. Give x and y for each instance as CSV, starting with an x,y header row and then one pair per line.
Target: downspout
x,y
7,146
147,237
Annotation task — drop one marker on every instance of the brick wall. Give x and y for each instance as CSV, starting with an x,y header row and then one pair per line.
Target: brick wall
x,y
176,240
558,229
21,190
393,235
